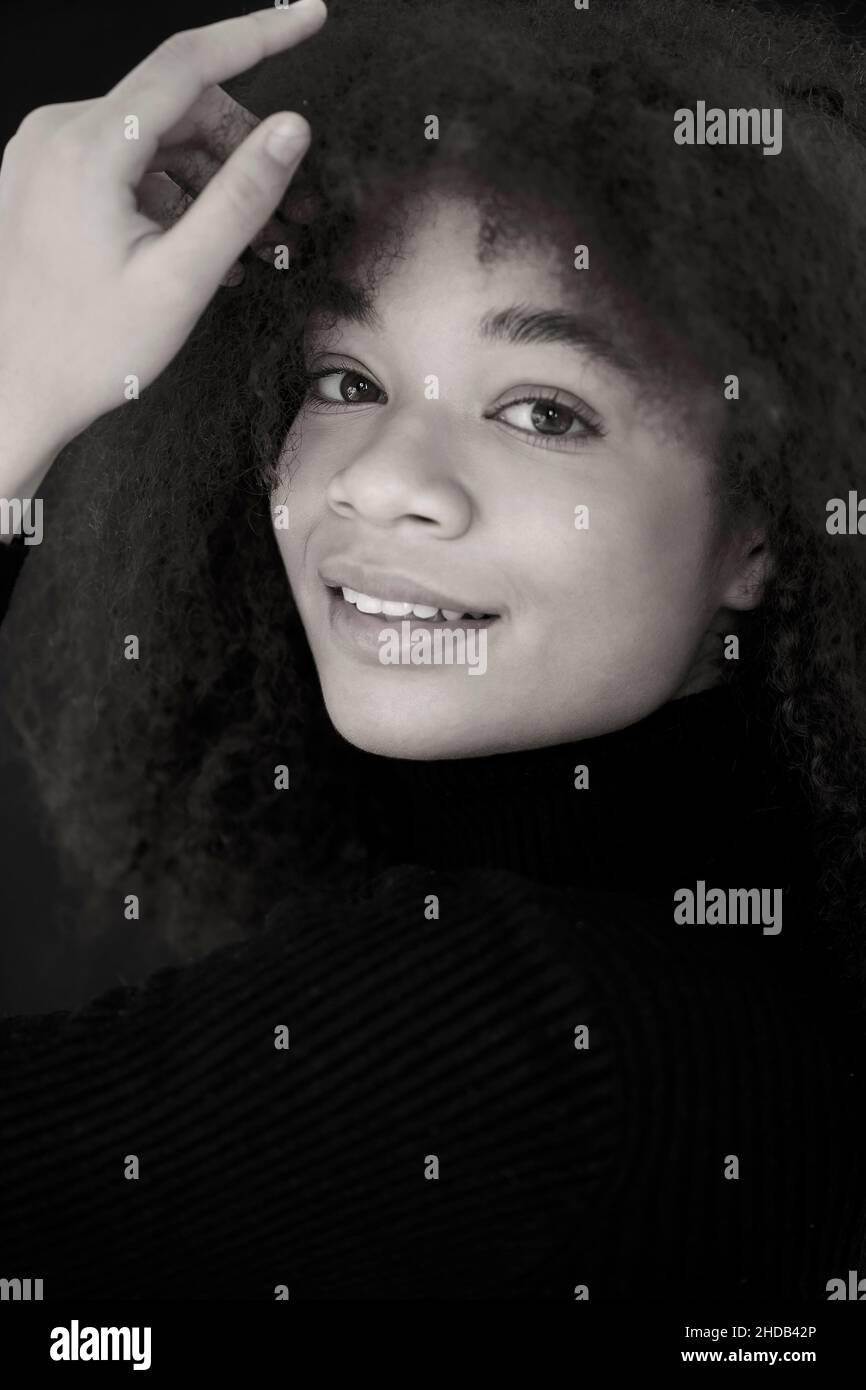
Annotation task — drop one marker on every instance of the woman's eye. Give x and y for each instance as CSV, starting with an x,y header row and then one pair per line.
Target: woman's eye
x,y
549,418
338,386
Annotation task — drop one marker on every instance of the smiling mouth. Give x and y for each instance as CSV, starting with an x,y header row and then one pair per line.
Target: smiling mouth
x,y
374,606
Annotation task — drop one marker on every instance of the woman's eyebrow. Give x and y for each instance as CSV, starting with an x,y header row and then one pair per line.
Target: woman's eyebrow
x,y
348,303
519,323
522,323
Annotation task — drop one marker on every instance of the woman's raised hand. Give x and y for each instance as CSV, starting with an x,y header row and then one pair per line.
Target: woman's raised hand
x,y
93,288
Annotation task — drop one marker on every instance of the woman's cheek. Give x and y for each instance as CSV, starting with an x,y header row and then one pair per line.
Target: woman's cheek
x,y
633,586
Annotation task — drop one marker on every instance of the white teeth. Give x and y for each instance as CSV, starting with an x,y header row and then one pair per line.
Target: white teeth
x,y
366,604
391,608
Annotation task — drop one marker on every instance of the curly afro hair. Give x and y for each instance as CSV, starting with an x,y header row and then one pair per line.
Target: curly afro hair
x,y
159,773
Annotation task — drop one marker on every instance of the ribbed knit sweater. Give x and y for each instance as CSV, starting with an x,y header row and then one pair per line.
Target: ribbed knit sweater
x,y
510,1072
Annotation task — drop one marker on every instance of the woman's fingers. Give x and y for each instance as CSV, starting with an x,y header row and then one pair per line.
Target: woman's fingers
x,y
116,296
236,204
131,121
189,156
194,151
164,201
160,199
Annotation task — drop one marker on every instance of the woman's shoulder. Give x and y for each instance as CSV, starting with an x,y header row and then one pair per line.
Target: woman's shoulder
x,y
559,1059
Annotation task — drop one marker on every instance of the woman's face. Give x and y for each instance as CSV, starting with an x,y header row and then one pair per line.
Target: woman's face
x,y
460,452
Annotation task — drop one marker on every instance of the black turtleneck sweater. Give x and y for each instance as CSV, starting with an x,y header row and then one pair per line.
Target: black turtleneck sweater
x,y
510,1072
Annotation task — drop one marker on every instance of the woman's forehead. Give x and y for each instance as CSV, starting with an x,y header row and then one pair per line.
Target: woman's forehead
x,y
441,249
533,289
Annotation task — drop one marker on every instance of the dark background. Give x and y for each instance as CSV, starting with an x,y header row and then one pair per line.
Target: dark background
x,y
66,50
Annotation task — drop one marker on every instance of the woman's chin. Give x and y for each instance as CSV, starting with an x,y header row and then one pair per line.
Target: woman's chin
x,y
414,729
401,738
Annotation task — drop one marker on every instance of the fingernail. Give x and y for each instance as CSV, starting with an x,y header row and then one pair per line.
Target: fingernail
x,y
283,141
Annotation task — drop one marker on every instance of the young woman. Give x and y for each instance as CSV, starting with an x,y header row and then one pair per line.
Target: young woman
x,y
445,641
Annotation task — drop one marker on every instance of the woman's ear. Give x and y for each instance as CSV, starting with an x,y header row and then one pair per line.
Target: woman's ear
x,y
749,568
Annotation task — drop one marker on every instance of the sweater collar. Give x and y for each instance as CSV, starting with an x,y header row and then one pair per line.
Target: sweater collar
x,y
691,791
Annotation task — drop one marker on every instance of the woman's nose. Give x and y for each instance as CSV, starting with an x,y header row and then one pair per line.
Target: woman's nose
x,y
407,477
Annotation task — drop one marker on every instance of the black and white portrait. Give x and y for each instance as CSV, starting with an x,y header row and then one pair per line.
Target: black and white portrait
x,y
433,658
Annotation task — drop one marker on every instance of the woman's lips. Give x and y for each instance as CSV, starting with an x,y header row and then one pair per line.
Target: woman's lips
x,y
372,587
362,632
